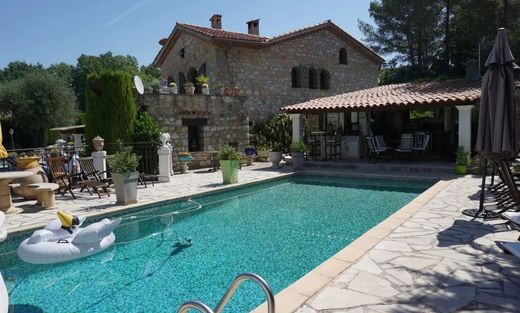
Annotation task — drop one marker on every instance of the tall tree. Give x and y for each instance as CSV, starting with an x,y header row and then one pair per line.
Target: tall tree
x,y
406,29
111,108
37,102
18,69
88,64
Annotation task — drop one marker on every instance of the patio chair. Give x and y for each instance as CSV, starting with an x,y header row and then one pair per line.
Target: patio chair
x,y
333,147
313,147
91,175
381,144
60,176
406,145
422,147
373,150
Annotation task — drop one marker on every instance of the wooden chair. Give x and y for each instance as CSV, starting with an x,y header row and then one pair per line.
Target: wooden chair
x,y
61,177
92,177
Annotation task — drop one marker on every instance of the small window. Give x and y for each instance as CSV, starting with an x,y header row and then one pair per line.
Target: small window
x,y
202,69
182,52
300,77
324,80
343,56
314,78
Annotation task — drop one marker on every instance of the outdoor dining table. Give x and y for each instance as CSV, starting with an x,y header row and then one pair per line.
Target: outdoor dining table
x,y
6,205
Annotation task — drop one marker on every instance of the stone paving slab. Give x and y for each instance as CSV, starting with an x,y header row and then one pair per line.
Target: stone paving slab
x,y
194,182
436,261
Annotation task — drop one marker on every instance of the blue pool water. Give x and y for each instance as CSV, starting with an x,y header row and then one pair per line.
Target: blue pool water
x,y
280,230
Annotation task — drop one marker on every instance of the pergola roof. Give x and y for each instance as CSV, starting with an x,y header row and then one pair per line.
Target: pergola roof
x,y
395,97
75,129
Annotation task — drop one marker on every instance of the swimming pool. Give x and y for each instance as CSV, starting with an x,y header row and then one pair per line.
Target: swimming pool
x,y
279,229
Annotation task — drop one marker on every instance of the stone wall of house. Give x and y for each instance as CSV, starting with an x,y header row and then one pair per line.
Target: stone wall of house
x,y
197,51
226,122
264,75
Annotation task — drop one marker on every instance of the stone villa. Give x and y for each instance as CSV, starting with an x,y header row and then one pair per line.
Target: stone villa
x,y
312,62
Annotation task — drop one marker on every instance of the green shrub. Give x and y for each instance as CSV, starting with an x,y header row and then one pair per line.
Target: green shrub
x,y
277,147
228,153
298,146
462,157
111,108
277,128
146,128
124,160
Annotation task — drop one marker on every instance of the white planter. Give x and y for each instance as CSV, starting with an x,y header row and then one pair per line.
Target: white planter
x,y
297,160
173,90
276,157
126,187
205,91
190,90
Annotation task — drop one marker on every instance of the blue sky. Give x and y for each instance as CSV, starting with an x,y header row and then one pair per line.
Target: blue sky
x,y
53,31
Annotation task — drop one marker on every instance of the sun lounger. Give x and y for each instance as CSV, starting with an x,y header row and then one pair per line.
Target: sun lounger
x,y
511,247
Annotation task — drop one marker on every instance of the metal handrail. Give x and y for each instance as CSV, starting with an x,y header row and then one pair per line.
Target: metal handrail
x,y
238,281
230,292
197,305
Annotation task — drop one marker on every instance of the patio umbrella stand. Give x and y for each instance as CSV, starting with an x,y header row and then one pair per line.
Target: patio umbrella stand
x,y
497,125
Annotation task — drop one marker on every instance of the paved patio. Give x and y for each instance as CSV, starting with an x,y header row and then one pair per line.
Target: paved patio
x,y
436,261
196,181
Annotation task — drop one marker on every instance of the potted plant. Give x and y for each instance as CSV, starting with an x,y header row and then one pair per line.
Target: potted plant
x,y
220,89
205,89
461,161
276,154
173,88
229,163
228,91
236,91
123,166
298,149
250,151
199,82
190,88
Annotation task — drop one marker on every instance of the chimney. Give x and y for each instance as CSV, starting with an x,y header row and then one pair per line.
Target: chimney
x,y
253,27
216,21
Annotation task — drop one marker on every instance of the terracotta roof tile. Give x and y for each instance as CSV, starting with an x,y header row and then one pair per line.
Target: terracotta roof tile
x,y
407,95
224,34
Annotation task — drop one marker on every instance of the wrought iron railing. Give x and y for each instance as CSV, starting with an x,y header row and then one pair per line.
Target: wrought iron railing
x,y
147,150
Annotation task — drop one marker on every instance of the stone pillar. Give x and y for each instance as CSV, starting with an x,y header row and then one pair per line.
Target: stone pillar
x,y
165,160
465,126
296,127
78,142
363,123
100,162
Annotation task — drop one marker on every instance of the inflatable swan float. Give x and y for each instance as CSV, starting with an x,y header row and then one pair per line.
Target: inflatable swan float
x,y
63,240
4,299
3,231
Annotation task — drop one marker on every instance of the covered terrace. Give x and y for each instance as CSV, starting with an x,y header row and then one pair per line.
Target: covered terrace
x,y
443,109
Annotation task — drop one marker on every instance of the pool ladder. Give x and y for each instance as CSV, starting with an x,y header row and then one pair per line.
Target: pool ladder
x,y
197,305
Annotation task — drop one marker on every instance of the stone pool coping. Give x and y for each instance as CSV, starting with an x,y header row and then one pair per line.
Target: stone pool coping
x,y
295,295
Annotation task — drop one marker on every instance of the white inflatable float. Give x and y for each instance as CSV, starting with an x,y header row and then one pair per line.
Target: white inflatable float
x,y
63,240
3,231
4,299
